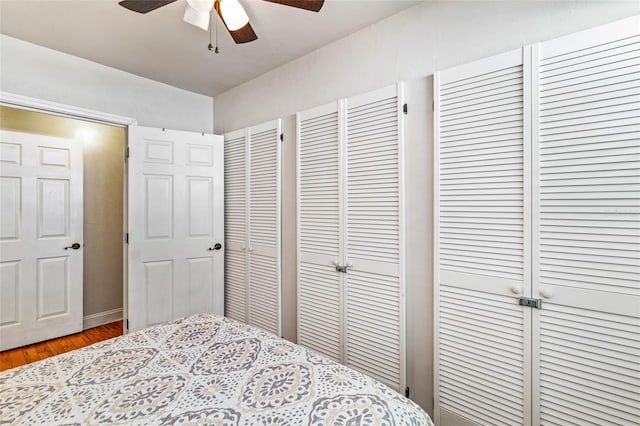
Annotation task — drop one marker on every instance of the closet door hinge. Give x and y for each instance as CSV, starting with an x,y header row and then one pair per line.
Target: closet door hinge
x,y
406,391
126,238
281,137
433,105
405,109
530,302
127,324
126,153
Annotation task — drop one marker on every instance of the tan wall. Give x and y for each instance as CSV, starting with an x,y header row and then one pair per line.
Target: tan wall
x,y
103,197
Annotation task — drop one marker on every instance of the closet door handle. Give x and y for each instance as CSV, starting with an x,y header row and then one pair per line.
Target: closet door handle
x,y
516,289
546,293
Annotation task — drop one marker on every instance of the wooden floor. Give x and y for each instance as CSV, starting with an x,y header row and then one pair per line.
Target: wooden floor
x,y
26,354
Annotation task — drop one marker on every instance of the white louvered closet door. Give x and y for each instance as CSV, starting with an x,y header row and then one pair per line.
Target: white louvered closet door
x,y
374,308
236,227
483,366
586,218
264,226
320,286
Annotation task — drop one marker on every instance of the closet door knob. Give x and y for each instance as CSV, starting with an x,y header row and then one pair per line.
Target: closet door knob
x,y
242,247
546,293
516,289
349,264
250,249
334,262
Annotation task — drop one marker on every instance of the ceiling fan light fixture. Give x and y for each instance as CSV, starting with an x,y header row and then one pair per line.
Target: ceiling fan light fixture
x,y
233,14
199,19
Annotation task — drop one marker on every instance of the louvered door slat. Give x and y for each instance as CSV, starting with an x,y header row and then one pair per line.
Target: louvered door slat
x,y
482,243
320,286
587,248
264,225
374,287
235,220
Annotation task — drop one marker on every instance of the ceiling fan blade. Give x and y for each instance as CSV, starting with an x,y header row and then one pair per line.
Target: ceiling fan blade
x,y
312,5
244,34
144,6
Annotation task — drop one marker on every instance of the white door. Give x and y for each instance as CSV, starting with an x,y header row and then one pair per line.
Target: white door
x,y
264,226
320,232
482,243
176,236
374,298
40,267
586,221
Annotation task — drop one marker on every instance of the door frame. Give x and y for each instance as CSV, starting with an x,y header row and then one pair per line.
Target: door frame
x,y
69,111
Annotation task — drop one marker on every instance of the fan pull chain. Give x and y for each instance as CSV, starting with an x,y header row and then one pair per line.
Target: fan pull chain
x,y
213,17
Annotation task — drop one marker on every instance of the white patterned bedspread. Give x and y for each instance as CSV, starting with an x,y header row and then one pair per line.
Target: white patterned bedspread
x,y
204,369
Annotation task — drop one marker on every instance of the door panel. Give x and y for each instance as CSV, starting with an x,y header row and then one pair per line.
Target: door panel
x,y
175,220
52,287
320,236
199,207
11,190
587,227
236,226
374,321
482,242
264,226
320,309
42,216
53,208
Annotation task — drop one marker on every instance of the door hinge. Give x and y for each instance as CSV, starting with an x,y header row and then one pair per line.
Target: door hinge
x,y
126,153
126,238
530,302
433,105
405,109
406,391
127,324
281,137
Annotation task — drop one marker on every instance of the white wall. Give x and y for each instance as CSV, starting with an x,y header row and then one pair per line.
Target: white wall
x,y
31,70
408,46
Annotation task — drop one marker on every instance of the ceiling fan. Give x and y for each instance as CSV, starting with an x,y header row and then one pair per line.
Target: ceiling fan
x,y
231,12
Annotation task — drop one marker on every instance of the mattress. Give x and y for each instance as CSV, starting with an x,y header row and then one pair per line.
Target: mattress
x,y
203,369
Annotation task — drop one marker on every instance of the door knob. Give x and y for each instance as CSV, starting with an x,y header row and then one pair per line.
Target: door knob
x,y
74,246
547,293
217,246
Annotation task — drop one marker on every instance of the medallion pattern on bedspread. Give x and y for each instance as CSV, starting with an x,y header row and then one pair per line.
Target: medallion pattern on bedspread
x,y
113,365
139,398
226,357
191,335
18,400
348,410
203,369
278,385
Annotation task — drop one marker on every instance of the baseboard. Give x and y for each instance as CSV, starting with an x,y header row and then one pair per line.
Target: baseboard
x,y
94,320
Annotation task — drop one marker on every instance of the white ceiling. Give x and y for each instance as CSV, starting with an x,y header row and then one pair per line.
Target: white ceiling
x,y
162,47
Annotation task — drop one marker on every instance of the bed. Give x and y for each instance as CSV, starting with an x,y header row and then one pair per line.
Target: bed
x,y
204,369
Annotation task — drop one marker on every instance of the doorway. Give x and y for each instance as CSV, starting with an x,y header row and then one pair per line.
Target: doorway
x,y
103,205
